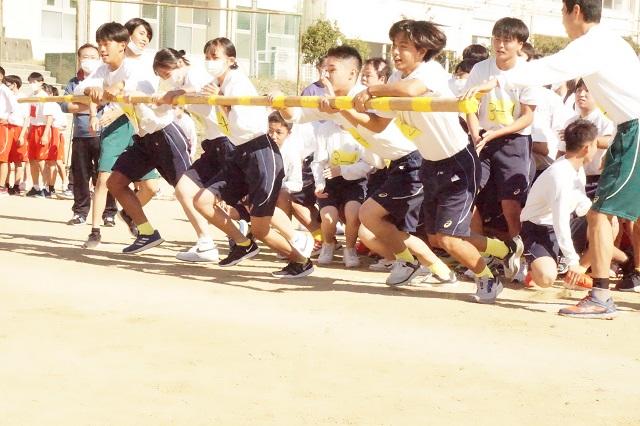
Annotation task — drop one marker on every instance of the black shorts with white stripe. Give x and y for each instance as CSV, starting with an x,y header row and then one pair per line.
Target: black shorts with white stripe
x,y
165,150
450,187
401,194
254,170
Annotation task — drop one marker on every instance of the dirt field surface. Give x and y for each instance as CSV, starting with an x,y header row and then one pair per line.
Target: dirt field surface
x,y
101,338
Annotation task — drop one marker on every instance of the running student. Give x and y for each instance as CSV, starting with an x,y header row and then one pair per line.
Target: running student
x,y
450,169
501,130
17,120
118,123
254,170
609,67
390,214
554,197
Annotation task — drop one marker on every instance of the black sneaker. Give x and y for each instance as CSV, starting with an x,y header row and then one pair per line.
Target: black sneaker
x,y
144,242
295,270
46,194
77,220
511,261
11,190
133,229
33,192
109,221
239,253
93,241
42,194
630,283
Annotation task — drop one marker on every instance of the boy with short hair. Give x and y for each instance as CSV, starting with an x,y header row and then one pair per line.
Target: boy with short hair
x,y
18,119
556,194
501,130
450,166
8,105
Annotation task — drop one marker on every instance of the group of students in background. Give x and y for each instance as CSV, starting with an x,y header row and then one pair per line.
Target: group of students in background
x,y
502,194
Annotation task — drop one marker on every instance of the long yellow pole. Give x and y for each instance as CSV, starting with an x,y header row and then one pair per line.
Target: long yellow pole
x,y
418,104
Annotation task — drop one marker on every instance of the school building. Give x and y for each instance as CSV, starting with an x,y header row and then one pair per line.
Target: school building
x,y
266,32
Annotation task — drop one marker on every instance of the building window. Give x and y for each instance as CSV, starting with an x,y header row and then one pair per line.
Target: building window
x,y
615,4
191,29
59,19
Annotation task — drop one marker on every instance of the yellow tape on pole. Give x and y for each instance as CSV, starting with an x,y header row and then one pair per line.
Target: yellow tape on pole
x,y
468,106
421,104
309,101
212,100
380,104
278,102
244,100
181,100
343,102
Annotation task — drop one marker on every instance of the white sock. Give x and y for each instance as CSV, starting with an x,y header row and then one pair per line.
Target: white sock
x,y
602,294
205,241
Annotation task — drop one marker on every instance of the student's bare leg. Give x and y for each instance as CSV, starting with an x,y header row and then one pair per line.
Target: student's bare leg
x,y
306,216
99,199
477,225
34,168
544,271
118,185
284,203
601,242
278,241
329,216
374,243
351,215
374,217
50,173
186,190
463,251
207,204
511,210
62,172
146,190
4,172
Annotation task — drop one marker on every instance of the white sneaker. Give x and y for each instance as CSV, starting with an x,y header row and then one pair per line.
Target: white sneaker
x,y
402,273
350,258
382,265
488,290
197,253
522,271
303,244
326,253
339,228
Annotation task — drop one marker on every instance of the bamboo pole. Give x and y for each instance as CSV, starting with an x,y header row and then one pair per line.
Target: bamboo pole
x,y
417,104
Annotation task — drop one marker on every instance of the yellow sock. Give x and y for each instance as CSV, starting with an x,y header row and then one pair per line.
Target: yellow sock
x,y
485,273
405,256
440,269
496,248
317,235
145,229
245,244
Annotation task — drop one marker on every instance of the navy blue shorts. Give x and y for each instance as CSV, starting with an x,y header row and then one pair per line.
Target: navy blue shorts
x,y
306,197
450,187
215,154
376,179
401,194
341,191
541,241
254,171
165,150
507,162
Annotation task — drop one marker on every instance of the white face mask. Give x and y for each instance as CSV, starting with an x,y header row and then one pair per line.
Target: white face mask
x,y
135,49
457,86
176,79
35,87
90,65
215,67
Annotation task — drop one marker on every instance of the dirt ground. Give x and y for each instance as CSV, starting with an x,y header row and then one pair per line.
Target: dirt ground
x,y
101,338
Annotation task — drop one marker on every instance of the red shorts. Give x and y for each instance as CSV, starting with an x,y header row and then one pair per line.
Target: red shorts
x,y
56,146
18,154
37,151
5,143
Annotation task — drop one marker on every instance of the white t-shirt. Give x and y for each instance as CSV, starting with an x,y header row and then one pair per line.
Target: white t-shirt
x,y
8,102
336,147
606,63
204,116
500,107
244,123
550,118
18,115
39,112
605,128
390,144
554,196
291,151
437,135
186,123
59,118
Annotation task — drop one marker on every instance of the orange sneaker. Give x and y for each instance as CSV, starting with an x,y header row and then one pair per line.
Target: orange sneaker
x,y
583,281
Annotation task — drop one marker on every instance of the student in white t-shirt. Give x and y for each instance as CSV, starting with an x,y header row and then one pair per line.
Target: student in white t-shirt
x,y
501,130
17,120
8,105
55,160
450,168
554,197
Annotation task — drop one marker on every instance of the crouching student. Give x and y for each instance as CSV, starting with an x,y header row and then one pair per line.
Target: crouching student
x,y
557,193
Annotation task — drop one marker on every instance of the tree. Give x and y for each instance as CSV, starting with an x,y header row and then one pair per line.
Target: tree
x,y
361,46
548,45
318,38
